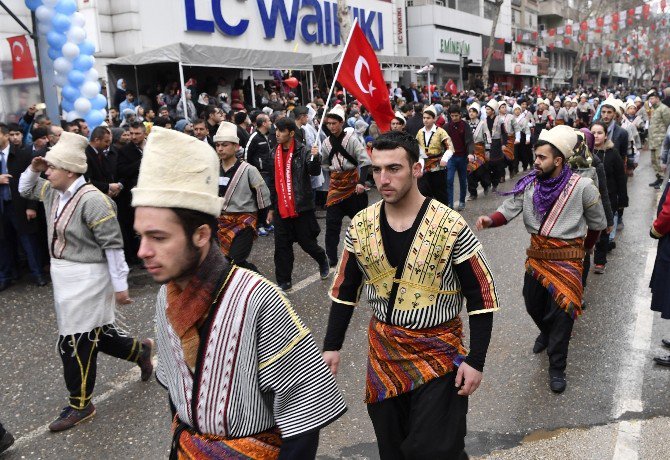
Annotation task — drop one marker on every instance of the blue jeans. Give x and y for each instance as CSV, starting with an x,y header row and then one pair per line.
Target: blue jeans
x,y
29,243
460,165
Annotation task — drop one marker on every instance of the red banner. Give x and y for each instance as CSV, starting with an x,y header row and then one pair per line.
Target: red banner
x,y
22,58
361,75
451,87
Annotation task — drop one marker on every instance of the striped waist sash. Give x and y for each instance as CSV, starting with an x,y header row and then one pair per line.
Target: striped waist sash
x,y
342,186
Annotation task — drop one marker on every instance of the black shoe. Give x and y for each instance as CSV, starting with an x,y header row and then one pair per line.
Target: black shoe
x,y
286,287
666,343
324,269
4,285
611,245
540,344
71,417
6,441
557,384
41,281
662,360
332,262
657,183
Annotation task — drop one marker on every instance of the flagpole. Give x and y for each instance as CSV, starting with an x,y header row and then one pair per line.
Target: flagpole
x,y
332,87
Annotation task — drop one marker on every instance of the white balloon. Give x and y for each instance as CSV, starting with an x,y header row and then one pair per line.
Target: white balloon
x,y
44,13
89,90
44,27
70,51
78,19
61,80
76,35
73,115
82,105
103,112
50,3
62,66
92,75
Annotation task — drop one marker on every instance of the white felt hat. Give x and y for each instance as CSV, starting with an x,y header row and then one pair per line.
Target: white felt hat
x,y
400,117
227,132
178,171
431,110
337,112
493,104
563,137
475,106
69,153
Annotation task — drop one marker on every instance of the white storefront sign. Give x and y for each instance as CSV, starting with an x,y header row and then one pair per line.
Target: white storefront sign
x,y
444,45
306,26
519,68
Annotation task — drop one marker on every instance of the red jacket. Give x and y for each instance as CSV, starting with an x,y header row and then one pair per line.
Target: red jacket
x,y
661,225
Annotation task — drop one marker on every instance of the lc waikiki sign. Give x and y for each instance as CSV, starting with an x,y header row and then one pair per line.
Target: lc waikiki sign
x,y
315,20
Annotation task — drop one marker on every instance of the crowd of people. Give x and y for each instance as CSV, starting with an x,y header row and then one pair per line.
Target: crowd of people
x,y
182,188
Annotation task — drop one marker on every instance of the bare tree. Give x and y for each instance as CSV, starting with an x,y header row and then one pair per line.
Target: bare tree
x,y
586,9
487,60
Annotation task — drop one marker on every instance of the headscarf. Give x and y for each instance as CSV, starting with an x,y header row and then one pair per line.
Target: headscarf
x,y
119,84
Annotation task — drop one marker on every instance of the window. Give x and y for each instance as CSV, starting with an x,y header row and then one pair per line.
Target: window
x,y
489,9
516,18
468,6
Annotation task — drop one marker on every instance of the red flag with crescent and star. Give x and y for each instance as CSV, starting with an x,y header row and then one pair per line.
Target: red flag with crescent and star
x,y
361,75
22,58
451,87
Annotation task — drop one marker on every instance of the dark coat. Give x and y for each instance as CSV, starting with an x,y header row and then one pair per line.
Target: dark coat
x,y
18,161
259,152
302,167
620,140
100,172
414,124
616,175
660,288
128,166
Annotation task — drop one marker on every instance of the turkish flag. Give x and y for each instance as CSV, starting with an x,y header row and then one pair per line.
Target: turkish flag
x,y
451,87
361,75
22,58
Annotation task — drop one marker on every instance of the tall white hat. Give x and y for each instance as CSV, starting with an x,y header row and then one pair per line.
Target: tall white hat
x,y
69,153
431,110
493,104
563,137
400,117
227,132
337,112
475,106
178,171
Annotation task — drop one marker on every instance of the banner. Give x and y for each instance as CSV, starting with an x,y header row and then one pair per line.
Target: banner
x,y
22,58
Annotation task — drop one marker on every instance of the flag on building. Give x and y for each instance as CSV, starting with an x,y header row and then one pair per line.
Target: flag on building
x,y
360,74
22,58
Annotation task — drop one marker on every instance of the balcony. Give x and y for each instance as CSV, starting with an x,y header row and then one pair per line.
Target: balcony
x,y
557,9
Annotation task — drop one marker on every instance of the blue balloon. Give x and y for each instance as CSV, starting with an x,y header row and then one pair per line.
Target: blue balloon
x,y
70,93
94,118
87,47
68,106
76,77
83,62
33,4
54,53
56,40
99,102
61,23
67,7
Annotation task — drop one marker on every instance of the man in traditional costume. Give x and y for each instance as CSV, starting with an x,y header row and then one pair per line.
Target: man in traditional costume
x,y
418,261
88,270
512,136
478,170
496,161
562,116
436,148
398,122
559,209
244,194
522,151
347,160
244,375
585,111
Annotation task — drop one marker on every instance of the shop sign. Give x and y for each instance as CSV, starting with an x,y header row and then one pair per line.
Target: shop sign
x,y
314,20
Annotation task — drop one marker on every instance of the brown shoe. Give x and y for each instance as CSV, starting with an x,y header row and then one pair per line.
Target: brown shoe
x,y
144,361
71,417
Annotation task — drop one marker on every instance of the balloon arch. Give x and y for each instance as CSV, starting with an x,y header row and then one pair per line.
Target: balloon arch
x,y
73,60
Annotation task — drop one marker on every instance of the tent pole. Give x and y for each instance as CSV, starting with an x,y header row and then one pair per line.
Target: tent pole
x,y
110,85
253,88
311,86
183,90
137,84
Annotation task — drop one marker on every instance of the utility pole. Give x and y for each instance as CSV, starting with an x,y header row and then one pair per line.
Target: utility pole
x,y
460,71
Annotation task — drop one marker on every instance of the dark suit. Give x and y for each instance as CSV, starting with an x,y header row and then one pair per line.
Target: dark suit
x,y
100,171
414,124
127,171
620,140
14,224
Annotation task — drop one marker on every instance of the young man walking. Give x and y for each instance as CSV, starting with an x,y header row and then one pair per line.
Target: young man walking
x,y
559,208
347,160
88,272
436,150
461,137
243,373
418,261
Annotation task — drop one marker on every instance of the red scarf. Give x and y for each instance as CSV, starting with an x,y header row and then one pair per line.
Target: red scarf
x,y
284,182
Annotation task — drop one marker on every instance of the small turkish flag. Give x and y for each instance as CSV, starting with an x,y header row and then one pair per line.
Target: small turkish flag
x,y
22,58
361,75
451,87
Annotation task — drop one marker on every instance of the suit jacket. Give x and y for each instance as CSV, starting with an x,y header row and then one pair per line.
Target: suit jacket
x,y
620,140
100,171
128,166
414,124
17,162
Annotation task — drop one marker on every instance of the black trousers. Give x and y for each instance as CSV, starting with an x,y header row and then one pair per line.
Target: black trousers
x,y
497,170
600,251
554,324
334,216
2,431
240,248
126,216
434,185
302,230
79,353
263,213
427,423
479,175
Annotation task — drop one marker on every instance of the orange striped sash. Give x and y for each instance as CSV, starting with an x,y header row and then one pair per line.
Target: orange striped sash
x,y
480,157
232,223
342,186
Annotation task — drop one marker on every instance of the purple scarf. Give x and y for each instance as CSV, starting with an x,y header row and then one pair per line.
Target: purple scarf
x,y
546,190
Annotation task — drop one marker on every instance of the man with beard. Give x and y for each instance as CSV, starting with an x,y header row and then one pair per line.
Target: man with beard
x,y
243,373
559,207
418,261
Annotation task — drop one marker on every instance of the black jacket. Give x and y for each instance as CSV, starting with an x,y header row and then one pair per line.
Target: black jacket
x,y
258,152
17,162
620,140
414,124
100,171
303,166
616,175
128,166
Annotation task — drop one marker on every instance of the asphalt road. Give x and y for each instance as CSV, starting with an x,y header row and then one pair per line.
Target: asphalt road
x,y
616,404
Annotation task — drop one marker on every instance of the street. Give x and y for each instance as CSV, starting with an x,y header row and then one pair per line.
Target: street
x,y
615,406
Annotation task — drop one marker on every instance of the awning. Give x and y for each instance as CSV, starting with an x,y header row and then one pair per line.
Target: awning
x,y
393,62
219,56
